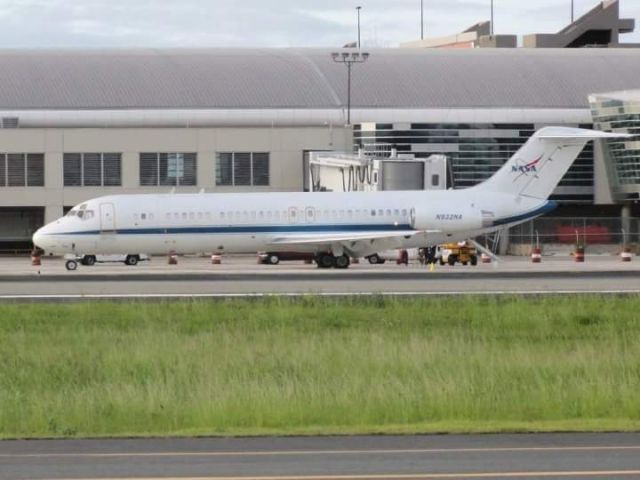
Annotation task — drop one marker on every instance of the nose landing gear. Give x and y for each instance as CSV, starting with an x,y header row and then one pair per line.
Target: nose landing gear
x,y
71,265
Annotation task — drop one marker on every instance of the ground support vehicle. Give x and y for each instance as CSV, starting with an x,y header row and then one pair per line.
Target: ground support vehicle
x,y
462,252
90,259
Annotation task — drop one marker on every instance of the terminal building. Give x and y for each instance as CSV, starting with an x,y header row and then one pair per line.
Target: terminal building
x,y
81,124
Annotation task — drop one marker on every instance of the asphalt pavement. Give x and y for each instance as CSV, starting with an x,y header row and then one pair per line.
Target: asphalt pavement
x,y
241,276
564,455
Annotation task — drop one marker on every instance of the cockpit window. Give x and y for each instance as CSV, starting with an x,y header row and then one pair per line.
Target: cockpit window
x,y
71,213
85,214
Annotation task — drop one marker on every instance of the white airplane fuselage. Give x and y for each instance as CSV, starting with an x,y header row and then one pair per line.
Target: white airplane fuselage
x,y
250,222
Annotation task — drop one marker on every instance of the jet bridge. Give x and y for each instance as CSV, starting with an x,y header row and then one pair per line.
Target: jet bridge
x,y
361,172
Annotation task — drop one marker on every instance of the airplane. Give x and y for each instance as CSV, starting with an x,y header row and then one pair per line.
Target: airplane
x,y
335,226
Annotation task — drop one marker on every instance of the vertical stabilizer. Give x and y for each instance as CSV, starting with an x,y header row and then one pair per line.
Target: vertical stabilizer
x,y
537,168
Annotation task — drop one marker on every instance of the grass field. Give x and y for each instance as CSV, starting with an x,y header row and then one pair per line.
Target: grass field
x,y
320,366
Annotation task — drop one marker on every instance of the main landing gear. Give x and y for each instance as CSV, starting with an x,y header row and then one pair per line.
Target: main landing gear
x,y
327,260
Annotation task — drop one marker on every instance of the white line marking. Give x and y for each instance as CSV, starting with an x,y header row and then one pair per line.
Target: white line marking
x,y
263,453
408,476
89,296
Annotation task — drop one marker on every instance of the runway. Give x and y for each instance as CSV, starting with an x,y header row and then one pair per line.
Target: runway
x,y
196,277
584,456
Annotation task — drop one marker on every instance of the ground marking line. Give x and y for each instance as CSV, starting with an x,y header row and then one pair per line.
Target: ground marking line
x,y
408,476
90,296
259,453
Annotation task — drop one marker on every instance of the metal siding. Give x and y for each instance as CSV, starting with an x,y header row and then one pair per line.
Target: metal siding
x,y
308,78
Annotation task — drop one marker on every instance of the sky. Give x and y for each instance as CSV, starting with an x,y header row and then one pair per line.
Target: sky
x,y
271,23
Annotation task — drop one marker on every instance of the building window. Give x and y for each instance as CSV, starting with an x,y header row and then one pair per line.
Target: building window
x,y
242,169
158,169
92,169
21,169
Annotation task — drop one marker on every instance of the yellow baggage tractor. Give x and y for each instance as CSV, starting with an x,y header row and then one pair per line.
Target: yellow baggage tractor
x,y
462,252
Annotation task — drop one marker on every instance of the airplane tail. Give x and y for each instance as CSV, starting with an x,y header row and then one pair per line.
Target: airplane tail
x,y
536,169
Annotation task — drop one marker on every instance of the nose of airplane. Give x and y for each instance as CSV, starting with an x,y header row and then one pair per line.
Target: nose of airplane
x,y
37,238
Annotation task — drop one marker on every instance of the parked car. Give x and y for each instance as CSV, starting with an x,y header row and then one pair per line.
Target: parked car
x,y
274,258
392,256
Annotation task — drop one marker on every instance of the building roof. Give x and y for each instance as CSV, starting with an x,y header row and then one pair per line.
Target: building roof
x,y
308,78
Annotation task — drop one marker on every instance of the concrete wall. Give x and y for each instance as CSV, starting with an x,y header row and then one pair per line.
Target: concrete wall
x,y
285,145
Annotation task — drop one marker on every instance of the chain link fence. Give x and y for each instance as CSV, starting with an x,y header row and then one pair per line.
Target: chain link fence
x,y
560,233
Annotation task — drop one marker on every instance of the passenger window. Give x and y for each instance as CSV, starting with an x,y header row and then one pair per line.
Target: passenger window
x,y
388,213
404,212
222,215
350,213
184,215
192,215
199,215
168,216
143,216
373,213
396,212
380,213
261,214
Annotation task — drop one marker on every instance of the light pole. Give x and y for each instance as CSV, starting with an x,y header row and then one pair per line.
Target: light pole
x,y
421,19
492,18
358,10
348,59
572,11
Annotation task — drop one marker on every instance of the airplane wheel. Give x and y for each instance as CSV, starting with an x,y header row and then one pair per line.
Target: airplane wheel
x,y
325,260
131,260
71,265
374,259
89,260
342,261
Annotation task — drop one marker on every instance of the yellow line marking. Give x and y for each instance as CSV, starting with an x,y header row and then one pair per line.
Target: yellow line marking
x,y
409,476
262,453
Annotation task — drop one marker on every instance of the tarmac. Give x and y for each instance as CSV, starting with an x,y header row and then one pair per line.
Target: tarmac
x,y
242,276
499,456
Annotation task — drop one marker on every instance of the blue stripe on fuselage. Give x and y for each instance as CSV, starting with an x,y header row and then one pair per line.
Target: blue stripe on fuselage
x,y
248,229
545,208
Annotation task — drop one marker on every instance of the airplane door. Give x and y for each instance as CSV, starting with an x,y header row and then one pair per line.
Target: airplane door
x,y
107,217
293,215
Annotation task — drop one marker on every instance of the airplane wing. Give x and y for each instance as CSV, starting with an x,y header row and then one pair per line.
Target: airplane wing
x,y
361,243
328,238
